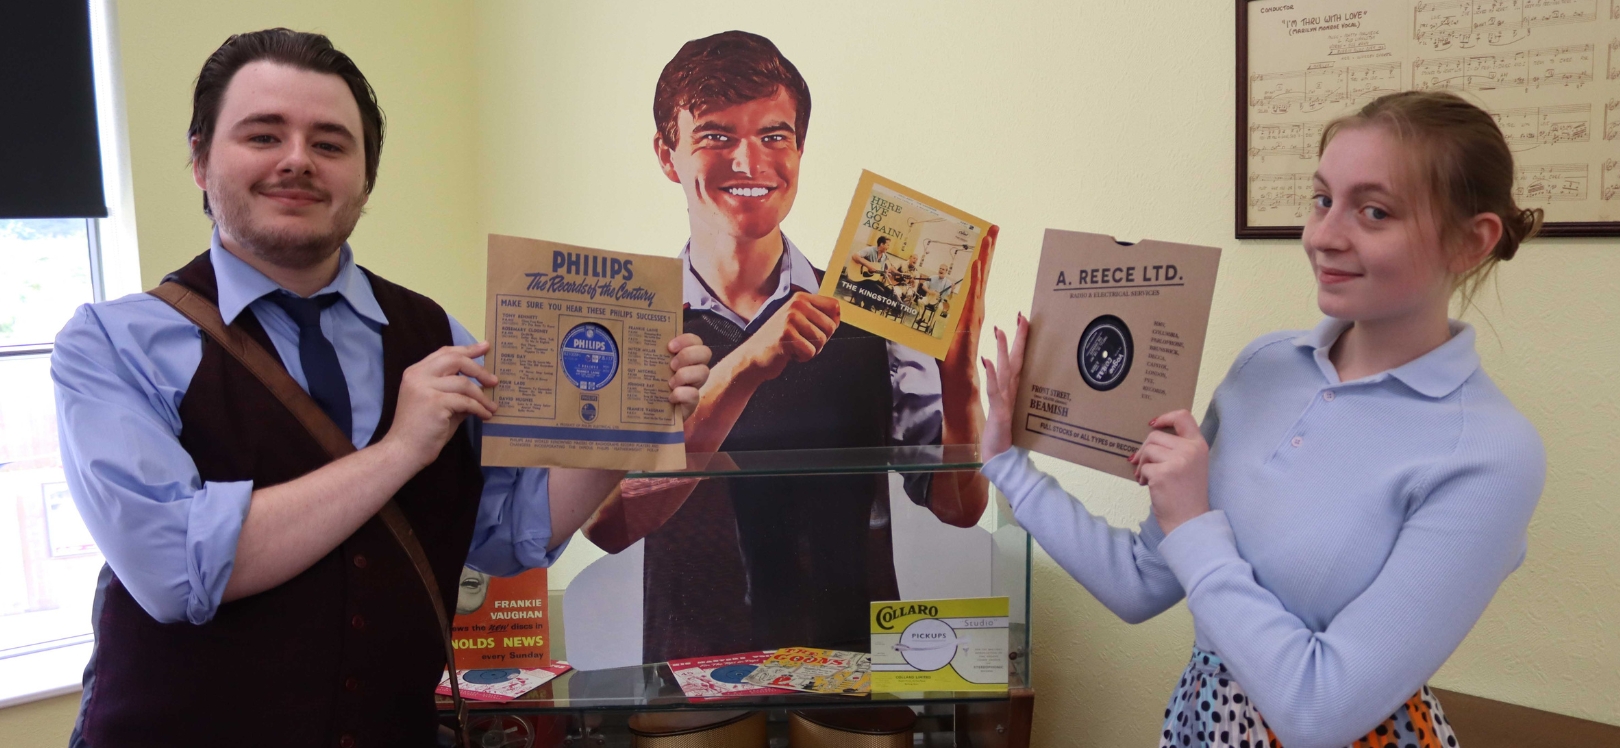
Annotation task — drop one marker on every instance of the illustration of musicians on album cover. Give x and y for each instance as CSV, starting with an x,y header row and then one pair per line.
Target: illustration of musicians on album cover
x,y
904,259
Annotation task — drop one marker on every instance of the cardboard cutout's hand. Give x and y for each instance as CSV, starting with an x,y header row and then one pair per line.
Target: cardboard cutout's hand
x,y
796,332
960,498
959,382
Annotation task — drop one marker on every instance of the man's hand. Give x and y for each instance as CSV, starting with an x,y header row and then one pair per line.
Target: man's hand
x,y
291,525
796,332
1001,378
689,359
435,395
1173,463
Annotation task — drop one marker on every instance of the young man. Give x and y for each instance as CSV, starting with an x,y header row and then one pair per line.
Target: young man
x,y
879,279
745,564
250,595
936,288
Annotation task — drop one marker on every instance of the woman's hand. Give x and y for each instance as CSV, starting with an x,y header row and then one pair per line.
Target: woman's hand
x,y
1173,463
1001,380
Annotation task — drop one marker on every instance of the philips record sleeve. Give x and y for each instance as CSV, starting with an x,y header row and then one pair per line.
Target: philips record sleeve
x,y
1116,335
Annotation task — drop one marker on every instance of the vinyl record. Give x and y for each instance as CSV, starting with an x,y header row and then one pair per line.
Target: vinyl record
x,y
732,673
489,676
1105,353
590,356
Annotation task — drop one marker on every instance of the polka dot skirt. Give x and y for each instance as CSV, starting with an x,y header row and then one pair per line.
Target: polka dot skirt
x,y
1210,710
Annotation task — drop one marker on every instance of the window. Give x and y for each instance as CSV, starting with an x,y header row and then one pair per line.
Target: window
x,y
48,267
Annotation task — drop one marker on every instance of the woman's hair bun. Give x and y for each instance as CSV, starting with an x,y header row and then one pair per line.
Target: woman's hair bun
x,y
1528,225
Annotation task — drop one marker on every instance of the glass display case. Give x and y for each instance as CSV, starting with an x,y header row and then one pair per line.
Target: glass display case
x,y
607,621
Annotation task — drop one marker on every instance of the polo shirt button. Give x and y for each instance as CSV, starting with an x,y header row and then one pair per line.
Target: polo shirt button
x,y
359,561
351,684
1328,396
359,621
346,741
1298,440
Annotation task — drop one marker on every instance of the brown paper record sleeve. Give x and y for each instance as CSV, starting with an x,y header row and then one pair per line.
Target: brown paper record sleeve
x,y
578,341
1116,337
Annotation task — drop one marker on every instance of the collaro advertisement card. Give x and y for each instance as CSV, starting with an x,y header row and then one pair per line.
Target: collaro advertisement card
x,y
901,265
940,645
1116,333
578,341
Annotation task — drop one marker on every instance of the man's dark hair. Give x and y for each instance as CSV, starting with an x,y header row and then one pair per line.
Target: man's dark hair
x,y
298,49
882,240
724,70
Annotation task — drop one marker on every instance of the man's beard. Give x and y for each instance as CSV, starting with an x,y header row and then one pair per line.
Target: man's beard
x,y
232,211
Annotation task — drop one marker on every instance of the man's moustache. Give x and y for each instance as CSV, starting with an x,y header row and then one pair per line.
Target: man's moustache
x,y
298,185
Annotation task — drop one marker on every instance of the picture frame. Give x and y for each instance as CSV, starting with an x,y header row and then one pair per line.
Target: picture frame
x,y
1550,75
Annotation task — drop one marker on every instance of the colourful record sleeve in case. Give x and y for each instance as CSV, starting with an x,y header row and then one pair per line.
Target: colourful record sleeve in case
x,y
816,670
714,677
501,684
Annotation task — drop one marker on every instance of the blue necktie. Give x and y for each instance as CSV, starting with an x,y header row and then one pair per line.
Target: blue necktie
x,y
319,358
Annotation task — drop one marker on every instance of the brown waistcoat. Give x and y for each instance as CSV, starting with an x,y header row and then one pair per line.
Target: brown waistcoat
x,y
345,654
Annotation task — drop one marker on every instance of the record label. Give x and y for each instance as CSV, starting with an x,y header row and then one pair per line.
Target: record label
x,y
1105,352
590,357
732,673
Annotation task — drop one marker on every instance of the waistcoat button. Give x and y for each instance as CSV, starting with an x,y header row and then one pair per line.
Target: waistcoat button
x,y
346,741
351,684
359,561
358,621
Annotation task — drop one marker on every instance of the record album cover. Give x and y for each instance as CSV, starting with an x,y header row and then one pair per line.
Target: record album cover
x,y
816,671
501,684
901,265
704,677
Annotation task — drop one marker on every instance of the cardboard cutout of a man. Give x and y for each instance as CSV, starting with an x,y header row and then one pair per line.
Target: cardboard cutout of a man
x,y
754,563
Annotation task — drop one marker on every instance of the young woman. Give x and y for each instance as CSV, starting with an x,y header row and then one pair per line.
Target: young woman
x,y
1358,491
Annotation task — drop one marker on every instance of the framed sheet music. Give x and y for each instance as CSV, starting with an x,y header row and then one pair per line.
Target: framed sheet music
x,y
1547,70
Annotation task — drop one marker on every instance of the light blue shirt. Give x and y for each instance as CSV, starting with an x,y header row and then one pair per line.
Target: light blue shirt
x,y
121,369
1357,529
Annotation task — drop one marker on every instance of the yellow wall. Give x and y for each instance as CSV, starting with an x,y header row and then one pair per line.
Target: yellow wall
x,y
535,119
421,226
39,724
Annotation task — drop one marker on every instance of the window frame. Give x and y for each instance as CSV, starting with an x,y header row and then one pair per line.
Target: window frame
x,y
55,667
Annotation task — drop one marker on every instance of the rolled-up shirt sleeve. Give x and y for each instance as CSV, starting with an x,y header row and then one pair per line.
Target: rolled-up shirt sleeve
x,y
513,528
168,535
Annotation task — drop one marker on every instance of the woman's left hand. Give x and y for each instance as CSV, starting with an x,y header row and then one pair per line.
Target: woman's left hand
x,y
1173,463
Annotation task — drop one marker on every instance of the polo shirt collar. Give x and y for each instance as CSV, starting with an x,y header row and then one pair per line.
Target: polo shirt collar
x,y
797,274
1434,374
240,284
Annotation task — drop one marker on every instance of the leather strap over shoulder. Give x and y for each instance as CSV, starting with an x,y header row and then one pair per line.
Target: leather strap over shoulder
x,y
267,368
